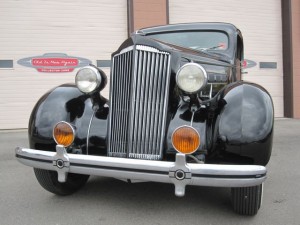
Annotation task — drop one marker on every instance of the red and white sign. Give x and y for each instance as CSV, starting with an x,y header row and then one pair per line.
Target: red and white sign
x,y
54,63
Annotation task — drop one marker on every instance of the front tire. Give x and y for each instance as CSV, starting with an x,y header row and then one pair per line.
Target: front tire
x,y
247,200
49,181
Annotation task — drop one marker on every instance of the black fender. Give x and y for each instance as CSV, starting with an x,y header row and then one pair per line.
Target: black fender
x,y
67,103
245,124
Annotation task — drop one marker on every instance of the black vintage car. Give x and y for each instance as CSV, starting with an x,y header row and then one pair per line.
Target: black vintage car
x,y
178,112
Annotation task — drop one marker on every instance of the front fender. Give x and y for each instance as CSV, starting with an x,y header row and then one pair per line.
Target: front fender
x,y
67,103
245,124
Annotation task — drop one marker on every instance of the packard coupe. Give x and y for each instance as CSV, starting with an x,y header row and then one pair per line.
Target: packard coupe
x,y
178,112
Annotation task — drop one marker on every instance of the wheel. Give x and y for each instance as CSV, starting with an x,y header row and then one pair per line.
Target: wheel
x,y
247,200
48,180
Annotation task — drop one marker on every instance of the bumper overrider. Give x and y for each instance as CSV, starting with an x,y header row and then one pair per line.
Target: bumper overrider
x,y
180,173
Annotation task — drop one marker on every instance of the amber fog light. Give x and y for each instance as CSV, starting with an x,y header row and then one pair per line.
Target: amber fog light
x,y
186,139
63,134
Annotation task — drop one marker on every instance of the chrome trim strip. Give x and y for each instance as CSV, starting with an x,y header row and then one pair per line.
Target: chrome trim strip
x,y
147,48
192,119
166,99
144,156
146,170
88,131
111,108
126,49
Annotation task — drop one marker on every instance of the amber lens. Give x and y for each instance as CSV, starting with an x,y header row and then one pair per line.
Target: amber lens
x,y
186,140
63,134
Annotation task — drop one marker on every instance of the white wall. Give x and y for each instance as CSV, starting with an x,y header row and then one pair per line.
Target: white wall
x,y
91,29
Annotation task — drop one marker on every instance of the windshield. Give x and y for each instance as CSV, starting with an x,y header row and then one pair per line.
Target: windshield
x,y
197,40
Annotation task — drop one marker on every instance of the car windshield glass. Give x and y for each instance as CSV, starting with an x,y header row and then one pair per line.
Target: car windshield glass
x,y
197,40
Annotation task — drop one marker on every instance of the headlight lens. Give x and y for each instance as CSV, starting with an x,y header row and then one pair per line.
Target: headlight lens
x,y
191,78
88,79
63,134
186,139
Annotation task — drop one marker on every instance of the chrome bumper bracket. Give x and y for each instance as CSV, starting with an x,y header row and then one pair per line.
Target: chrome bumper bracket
x,y
62,163
180,175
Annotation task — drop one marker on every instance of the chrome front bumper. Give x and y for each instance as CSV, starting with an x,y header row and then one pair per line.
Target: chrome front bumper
x,y
179,172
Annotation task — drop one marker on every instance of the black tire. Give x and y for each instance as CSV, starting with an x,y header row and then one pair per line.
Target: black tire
x,y
247,200
48,180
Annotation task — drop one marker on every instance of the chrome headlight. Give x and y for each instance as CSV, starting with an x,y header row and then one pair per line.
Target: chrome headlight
x,y
191,78
88,79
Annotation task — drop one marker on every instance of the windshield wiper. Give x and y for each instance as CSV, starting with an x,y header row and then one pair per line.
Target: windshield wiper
x,y
211,48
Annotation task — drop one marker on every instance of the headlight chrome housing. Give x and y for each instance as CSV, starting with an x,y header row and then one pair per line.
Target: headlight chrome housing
x,y
191,78
88,79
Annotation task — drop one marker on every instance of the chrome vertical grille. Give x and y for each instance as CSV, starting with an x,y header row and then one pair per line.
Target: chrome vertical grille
x,y
138,103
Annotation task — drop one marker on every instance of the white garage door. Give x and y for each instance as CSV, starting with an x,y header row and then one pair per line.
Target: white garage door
x,y
51,33
260,23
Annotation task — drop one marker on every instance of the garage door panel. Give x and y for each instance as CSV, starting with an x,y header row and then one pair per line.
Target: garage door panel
x,y
261,26
87,29
278,106
270,83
